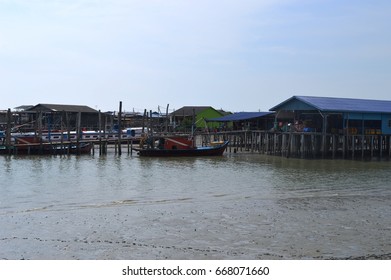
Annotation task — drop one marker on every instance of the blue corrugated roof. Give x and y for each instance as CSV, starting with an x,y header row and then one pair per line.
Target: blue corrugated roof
x,y
337,104
240,116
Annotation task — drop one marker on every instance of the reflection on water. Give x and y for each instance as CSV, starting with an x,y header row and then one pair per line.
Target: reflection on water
x,y
246,206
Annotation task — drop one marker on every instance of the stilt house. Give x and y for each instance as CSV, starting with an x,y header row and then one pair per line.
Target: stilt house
x,y
346,116
56,116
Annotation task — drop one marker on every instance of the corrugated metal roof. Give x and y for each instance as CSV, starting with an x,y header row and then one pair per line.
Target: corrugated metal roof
x,y
337,104
188,110
65,108
240,116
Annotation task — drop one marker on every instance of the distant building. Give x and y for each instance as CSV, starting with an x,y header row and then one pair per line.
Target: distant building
x,y
246,121
22,108
183,118
57,116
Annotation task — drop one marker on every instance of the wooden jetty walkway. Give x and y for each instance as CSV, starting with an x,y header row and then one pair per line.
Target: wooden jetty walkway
x,y
308,145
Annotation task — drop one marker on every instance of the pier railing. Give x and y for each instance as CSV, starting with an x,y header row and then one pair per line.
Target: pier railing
x,y
306,144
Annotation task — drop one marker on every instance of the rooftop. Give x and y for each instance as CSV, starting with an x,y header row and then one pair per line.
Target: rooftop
x,y
336,104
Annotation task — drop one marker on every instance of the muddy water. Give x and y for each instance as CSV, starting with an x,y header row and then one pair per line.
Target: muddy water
x,y
238,206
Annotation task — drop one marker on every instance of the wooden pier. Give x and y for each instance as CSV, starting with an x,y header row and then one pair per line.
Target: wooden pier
x,y
307,145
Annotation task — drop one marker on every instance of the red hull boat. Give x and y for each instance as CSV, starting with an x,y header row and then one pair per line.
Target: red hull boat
x,y
181,147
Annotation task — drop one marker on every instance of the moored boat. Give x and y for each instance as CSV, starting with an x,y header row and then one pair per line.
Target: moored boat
x,y
179,147
32,145
47,149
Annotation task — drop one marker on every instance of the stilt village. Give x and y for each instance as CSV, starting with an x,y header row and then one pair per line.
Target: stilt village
x,y
305,127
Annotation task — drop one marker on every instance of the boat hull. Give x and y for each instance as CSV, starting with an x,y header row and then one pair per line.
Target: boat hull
x,y
48,149
193,152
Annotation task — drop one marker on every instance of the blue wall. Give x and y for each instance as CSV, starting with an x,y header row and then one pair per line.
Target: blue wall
x,y
386,123
384,118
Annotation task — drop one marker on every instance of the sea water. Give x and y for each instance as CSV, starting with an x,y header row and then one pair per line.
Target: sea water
x,y
238,206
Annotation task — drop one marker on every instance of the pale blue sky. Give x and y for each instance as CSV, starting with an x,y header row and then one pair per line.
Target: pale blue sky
x,y
243,55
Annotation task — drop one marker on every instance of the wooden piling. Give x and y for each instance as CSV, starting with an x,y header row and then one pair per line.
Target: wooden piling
x,y
362,147
308,144
78,133
8,132
119,128
100,131
40,131
389,147
68,133
372,146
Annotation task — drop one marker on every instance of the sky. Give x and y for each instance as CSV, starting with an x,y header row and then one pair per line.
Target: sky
x,y
242,55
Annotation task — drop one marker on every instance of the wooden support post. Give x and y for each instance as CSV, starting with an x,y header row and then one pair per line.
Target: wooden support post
x,y
253,141
362,146
68,132
353,145
8,132
166,130
372,146
119,128
313,149
62,133
274,143
283,145
237,142
150,129
40,132
259,142
267,143
244,141
389,147
104,148
290,139
78,132
100,132
323,144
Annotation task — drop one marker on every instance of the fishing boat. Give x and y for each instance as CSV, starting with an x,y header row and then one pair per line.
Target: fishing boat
x,y
178,147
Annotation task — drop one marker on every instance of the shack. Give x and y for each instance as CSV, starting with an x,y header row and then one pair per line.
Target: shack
x,y
56,116
184,118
